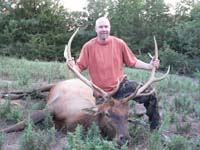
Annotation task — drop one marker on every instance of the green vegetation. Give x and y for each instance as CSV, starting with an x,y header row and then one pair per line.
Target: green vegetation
x,y
178,100
33,139
39,29
1,140
92,140
10,114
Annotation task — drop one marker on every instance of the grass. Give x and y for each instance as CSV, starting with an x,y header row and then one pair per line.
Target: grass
x,y
179,101
10,114
91,140
1,140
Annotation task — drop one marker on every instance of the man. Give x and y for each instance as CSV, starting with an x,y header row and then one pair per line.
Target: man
x,y
104,56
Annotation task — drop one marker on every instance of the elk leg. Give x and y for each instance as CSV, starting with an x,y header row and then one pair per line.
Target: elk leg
x,y
127,87
151,104
36,116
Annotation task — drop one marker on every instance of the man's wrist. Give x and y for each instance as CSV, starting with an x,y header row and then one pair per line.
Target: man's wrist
x,y
150,66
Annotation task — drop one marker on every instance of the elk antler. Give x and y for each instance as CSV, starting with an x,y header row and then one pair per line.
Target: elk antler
x,y
152,79
67,55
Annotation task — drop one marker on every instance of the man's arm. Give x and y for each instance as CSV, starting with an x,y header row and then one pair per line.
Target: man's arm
x,y
148,66
72,63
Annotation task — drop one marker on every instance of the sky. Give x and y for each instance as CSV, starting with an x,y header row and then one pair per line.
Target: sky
x,y
75,5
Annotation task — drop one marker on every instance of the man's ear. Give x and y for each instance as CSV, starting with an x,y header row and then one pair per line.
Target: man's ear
x,y
91,110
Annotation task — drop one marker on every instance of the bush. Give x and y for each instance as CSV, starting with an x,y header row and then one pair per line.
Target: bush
x,y
10,114
92,140
179,63
1,140
178,142
37,140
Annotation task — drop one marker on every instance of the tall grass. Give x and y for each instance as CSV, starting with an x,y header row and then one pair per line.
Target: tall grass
x,y
25,72
1,140
179,101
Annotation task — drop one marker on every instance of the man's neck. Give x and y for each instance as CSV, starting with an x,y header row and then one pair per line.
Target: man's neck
x,y
103,41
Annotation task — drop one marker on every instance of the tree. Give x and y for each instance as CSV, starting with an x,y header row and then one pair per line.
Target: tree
x,y
35,29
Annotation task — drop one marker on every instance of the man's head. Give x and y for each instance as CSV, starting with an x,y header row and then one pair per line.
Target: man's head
x,y
102,28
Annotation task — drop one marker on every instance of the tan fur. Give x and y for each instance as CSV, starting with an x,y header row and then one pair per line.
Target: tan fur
x,y
67,99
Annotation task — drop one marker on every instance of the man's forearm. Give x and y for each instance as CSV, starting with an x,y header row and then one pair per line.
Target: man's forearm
x,y
73,64
77,68
142,65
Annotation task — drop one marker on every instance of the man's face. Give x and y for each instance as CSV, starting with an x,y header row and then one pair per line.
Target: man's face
x,y
103,29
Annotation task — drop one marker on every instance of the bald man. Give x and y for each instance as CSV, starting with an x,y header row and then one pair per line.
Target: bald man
x,y
104,57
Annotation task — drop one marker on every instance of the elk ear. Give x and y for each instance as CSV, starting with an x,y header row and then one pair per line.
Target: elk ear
x,y
91,110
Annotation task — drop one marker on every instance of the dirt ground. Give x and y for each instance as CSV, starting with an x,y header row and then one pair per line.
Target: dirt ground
x,y
11,141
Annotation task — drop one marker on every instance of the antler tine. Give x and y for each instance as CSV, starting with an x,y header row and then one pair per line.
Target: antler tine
x,y
151,80
67,52
110,94
152,77
68,57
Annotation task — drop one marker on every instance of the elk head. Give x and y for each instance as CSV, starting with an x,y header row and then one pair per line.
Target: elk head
x,y
112,114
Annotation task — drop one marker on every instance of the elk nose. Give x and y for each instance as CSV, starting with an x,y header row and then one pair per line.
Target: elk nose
x,y
123,140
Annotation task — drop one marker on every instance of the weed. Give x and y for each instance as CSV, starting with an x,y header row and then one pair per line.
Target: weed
x,y
138,133
183,104
197,110
41,140
15,115
5,108
47,123
195,144
29,137
1,140
155,141
10,114
38,105
178,142
92,140
45,139
183,127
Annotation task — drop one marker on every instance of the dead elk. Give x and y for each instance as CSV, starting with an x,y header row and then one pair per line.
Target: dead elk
x,y
72,102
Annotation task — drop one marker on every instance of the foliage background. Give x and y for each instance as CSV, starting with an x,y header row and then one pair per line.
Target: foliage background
x,y
39,29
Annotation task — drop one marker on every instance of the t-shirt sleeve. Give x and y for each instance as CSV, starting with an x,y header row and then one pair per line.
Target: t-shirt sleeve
x,y
83,59
128,57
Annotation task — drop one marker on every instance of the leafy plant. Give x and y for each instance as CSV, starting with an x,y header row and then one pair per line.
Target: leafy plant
x,y
1,140
29,137
37,140
178,142
10,113
92,140
155,141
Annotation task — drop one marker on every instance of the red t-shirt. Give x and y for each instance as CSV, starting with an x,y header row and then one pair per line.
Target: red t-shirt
x,y
105,61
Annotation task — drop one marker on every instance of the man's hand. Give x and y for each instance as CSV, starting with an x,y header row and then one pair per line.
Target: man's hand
x,y
70,63
155,62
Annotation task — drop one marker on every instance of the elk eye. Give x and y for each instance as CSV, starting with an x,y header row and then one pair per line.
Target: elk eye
x,y
107,114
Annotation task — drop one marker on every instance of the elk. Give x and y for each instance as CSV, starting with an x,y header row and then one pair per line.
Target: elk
x,y
71,102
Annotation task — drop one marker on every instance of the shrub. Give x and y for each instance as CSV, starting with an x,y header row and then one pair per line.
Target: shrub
x,y
37,140
155,142
1,140
178,142
92,140
179,62
27,140
10,114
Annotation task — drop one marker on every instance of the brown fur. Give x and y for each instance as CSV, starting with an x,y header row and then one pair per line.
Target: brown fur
x,y
67,101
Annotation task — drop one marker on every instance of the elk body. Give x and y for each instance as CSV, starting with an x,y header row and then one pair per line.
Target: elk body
x,y
71,102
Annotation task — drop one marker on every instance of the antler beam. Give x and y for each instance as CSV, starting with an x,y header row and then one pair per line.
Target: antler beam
x,y
139,90
68,57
